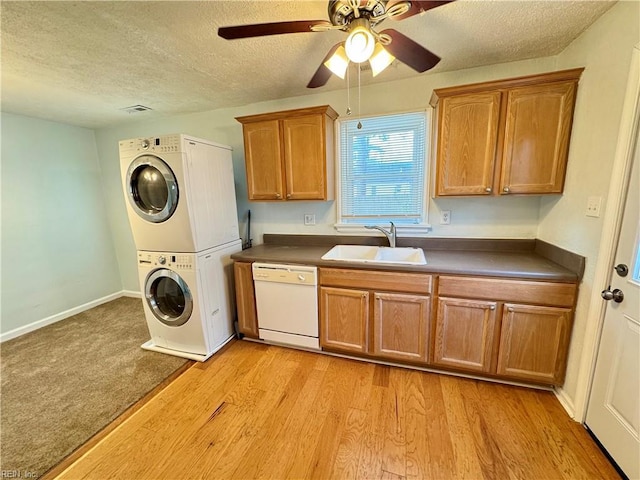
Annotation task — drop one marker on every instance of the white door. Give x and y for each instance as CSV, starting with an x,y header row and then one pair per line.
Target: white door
x,y
613,413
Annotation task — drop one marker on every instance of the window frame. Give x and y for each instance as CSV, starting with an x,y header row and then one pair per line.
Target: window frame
x,y
415,229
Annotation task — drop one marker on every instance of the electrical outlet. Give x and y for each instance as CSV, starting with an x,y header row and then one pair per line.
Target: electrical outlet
x,y
593,206
445,217
309,219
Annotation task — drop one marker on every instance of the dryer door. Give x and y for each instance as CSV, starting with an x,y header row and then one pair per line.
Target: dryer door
x,y
152,188
168,297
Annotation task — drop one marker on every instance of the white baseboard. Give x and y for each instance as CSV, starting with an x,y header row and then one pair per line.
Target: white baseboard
x,y
565,401
16,332
131,293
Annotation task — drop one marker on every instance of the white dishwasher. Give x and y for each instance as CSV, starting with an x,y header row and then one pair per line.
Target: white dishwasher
x,y
287,303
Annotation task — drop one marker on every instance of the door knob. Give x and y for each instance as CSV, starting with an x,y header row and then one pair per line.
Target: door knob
x,y
621,269
616,295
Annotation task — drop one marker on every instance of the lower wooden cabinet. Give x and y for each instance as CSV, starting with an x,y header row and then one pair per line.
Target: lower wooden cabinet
x,y
344,319
534,342
381,314
503,328
245,299
465,334
400,326
494,326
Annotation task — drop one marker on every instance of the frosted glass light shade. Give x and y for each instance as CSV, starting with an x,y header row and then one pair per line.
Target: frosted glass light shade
x,y
338,62
380,59
360,42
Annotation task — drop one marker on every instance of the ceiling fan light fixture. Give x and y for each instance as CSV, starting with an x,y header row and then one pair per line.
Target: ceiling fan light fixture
x,y
360,43
380,59
338,62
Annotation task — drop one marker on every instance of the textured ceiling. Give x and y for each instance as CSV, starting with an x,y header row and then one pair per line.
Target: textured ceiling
x,y
82,62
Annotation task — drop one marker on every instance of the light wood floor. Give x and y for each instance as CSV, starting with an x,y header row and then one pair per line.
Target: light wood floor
x,y
258,411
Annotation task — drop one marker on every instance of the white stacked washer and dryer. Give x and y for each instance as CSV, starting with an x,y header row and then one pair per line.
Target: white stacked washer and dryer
x,y
180,197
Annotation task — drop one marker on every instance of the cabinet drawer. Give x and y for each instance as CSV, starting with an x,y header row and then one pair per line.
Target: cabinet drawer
x,y
522,291
373,280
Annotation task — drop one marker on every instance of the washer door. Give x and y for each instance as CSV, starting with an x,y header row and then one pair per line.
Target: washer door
x,y
152,188
168,297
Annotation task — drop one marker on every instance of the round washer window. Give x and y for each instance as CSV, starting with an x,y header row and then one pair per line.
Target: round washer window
x,y
152,188
169,297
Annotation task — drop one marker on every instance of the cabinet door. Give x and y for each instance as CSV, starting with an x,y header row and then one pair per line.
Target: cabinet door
x,y
465,334
400,325
263,160
245,299
536,140
467,142
305,157
344,316
534,343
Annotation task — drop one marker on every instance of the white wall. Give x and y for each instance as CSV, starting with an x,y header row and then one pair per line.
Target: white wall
x,y
512,217
605,50
57,250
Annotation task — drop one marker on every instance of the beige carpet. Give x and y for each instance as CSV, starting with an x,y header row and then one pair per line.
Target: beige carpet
x,y
65,382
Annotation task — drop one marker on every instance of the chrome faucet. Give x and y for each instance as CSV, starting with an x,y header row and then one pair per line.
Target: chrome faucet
x,y
390,234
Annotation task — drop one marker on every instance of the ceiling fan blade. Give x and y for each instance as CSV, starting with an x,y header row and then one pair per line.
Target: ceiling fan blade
x,y
264,29
323,74
416,7
410,52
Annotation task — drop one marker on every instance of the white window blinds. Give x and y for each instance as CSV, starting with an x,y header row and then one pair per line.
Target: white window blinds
x,y
382,169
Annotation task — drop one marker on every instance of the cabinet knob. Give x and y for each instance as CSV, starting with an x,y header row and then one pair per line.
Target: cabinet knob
x,y
506,190
488,189
288,195
277,195
492,307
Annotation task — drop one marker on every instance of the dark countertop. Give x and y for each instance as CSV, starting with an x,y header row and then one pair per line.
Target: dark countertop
x,y
518,264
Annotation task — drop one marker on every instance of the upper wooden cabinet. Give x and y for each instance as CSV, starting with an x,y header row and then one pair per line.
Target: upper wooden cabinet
x,y
289,155
505,137
468,128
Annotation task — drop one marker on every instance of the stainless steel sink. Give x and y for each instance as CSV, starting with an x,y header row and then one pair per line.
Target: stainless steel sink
x,y
370,254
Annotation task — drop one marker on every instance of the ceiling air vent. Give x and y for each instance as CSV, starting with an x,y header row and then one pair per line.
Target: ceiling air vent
x,y
136,109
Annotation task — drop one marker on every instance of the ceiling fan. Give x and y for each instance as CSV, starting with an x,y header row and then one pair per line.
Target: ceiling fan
x,y
358,18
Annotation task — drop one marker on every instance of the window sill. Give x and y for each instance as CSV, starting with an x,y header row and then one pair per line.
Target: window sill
x,y
400,229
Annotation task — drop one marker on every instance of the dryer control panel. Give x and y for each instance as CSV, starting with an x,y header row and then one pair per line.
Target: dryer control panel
x,y
163,144
175,261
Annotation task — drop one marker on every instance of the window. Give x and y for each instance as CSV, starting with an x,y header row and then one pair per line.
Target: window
x,y
636,261
382,171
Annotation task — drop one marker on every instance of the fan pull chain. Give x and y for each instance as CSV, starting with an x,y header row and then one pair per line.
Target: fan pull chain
x,y
359,111
348,95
